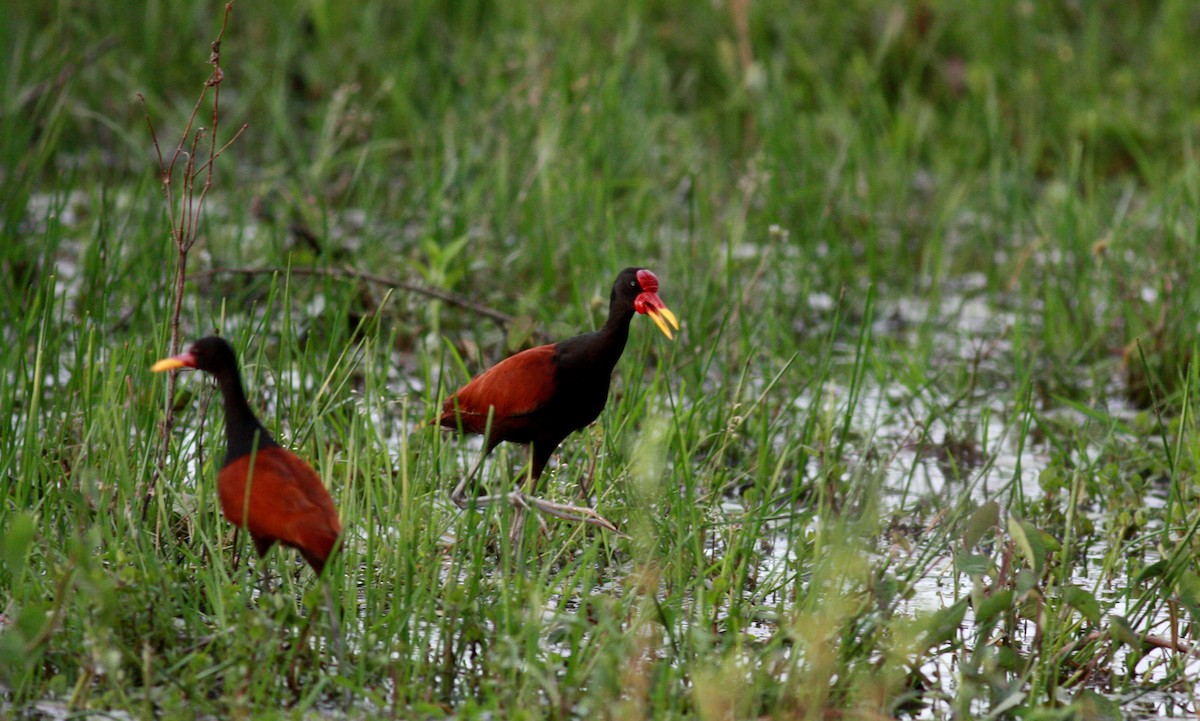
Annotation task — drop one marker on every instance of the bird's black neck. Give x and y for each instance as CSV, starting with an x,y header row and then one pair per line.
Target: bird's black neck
x,y
244,433
597,353
609,341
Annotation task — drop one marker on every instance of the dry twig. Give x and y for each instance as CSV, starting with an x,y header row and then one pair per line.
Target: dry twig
x,y
185,208
455,299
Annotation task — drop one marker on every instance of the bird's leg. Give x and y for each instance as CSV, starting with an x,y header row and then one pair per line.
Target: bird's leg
x,y
460,498
264,580
301,642
588,479
519,500
524,499
565,511
521,505
261,546
539,456
335,623
568,512
458,495
518,521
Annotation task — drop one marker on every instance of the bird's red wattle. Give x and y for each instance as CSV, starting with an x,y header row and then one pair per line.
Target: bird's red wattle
x,y
645,301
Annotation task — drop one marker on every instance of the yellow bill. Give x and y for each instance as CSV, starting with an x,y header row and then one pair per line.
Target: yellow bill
x,y
183,360
658,315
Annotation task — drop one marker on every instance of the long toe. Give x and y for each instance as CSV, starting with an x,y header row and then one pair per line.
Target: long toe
x,y
567,512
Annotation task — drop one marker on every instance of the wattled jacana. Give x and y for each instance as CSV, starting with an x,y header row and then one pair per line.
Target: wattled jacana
x,y
542,395
285,502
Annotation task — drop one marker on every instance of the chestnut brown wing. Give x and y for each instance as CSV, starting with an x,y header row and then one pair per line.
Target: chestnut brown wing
x,y
519,385
286,503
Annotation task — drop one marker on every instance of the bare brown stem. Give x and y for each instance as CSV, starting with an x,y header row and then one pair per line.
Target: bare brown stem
x,y
185,208
455,299
207,165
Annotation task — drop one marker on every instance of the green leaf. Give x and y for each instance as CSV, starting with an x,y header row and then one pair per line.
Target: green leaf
x,y
1095,707
1052,479
1011,701
1187,587
1028,542
973,564
1084,602
1034,543
14,545
990,607
942,625
31,619
1048,714
13,653
1154,570
985,518
1025,581
1049,542
1121,632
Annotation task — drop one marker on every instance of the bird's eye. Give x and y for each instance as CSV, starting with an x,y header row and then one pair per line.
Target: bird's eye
x,y
632,284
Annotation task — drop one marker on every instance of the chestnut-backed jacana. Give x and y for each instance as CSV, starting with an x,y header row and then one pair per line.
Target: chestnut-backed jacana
x,y
542,395
267,489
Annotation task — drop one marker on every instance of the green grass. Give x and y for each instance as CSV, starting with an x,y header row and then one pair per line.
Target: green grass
x,y
926,446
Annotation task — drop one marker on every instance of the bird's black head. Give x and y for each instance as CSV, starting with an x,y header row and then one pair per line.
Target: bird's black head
x,y
639,287
212,354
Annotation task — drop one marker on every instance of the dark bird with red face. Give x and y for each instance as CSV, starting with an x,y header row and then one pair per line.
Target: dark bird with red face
x,y
286,501
542,395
